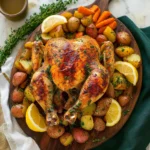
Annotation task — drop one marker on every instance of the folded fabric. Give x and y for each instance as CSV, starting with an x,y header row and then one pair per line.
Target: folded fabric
x,y
135,135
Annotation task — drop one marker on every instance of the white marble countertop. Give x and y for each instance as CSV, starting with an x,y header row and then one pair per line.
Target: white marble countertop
x,y
137,10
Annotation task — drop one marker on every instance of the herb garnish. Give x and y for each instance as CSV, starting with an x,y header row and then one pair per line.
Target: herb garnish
x,y
30,25
125,112
98,139
88,69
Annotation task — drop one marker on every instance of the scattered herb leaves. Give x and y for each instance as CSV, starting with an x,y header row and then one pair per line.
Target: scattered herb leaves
x,y
125,112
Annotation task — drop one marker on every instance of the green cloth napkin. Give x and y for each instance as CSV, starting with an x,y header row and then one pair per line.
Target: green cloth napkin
x,y
135,135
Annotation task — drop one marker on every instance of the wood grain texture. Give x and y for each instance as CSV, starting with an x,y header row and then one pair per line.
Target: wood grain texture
x,y
43,139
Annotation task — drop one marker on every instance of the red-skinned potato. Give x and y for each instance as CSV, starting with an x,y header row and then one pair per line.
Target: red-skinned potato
x,y
123,100
18,78
80,135
91,30
123,38
102,106
17,95
17,111
55,131
101,38
99,124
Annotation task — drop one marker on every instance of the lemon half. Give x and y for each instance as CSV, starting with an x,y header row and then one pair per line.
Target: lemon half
x,y
128,70
113,114
51,22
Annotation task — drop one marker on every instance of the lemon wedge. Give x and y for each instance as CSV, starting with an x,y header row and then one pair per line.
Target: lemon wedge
x,y
51,22
34,119
128,70
113,114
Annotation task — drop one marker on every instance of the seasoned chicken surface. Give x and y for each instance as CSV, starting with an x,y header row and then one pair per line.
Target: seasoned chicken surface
x,y
72,64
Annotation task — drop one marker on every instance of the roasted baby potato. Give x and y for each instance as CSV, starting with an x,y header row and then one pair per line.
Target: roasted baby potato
x,y
119,81
73,24
91,30
80,135
110,34
24,84
66,139
67,14
17,95
101,38
55,131
87,122
26,65
99,124
78,15
123,51
81,28
89,110
18,65
87,20
102,106
57,32
134,59
18,111
26,54
65,28
123,38
28,93
28,44
123,100
110,91
18,78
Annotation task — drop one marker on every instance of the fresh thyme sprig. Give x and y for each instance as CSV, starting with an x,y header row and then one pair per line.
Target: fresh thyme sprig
x,y
30,25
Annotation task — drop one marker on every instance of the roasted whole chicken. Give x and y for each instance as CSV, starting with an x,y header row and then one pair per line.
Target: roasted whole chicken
x,y
71,64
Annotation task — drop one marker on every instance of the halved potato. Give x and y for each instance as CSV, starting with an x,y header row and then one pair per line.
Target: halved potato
x,y
26,65
123,51
134,59
28,94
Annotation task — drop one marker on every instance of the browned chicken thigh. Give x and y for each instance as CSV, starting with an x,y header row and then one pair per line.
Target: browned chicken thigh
x,y
76,62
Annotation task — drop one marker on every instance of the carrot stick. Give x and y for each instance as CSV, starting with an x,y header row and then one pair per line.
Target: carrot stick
x,y
85,11
96,15
105,22
112,25
104,16
94,8
79,34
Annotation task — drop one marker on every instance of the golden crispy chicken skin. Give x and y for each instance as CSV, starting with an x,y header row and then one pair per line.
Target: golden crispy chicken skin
x,y
42,90
76,62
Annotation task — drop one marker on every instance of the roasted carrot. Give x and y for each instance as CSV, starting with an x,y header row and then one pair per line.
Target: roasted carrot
x,y
79,34
112,25
94,8
85,11
103,16
105,22
96,15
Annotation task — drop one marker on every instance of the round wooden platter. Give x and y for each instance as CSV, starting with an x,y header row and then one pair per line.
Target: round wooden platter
x,y
45,142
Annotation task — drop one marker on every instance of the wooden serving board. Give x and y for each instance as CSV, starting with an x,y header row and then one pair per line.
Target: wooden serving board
x,y
44,141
